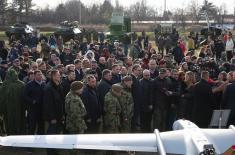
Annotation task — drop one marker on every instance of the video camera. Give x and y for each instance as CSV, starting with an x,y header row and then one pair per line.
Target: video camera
x,y
208,150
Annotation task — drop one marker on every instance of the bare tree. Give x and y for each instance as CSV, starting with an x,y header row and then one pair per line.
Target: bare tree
x,y
180,17
194,11
118,7
135,11
3,9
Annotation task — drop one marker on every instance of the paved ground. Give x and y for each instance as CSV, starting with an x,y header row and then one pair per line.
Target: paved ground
x,y
18,151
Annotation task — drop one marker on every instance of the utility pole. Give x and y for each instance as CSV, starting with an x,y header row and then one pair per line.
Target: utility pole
x,y
80,12
164,5
234,17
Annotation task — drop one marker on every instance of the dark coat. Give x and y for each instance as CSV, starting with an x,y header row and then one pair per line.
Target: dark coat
x,y
102,89
159,98
35,55
175,89
53,102
3,53
79,74
33,96
146,87
66,86
154,74
3,72
186,102
93,107
22,74
203,104
229,101
67,58
178,54
137,96
116,78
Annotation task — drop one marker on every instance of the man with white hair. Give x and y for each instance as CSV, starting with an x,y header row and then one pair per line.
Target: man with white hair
x,y
146,106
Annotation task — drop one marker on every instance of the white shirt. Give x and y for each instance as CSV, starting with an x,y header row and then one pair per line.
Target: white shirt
x,y
229,45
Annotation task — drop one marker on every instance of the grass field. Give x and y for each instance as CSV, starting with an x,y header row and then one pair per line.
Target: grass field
x,y
3,35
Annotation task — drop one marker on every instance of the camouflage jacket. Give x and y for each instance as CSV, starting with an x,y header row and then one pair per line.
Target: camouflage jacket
x,y
127,105
75,112
112,111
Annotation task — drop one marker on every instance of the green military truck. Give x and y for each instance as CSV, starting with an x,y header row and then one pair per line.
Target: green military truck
x,y
119,26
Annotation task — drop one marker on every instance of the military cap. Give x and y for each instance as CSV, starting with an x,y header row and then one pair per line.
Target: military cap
x,y
76,85
162,71
127,78
116,87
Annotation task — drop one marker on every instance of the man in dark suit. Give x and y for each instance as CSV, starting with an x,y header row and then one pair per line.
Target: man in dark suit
x,y
90,99
78,70
203,102
137,96
33,96
116,77
104,86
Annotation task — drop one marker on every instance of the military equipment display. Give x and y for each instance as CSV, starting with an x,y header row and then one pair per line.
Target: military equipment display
x,y
19,29
164,28
68,30
214,31
119,25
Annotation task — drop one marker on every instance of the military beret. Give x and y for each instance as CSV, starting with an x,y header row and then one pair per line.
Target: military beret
x,y
127,78
116,87
76,85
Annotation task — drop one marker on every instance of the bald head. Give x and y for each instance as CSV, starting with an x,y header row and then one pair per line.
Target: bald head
x,y
146,74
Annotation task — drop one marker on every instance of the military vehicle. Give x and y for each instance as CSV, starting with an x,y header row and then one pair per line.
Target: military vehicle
x,y
119,26
68,30
164,29
213,31
19,29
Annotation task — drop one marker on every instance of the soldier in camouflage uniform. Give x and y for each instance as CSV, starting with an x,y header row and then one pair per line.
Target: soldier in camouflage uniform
x,y
127,104
75,109
112,110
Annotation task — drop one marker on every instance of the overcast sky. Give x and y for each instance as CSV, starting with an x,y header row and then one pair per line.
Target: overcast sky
x,y
171,4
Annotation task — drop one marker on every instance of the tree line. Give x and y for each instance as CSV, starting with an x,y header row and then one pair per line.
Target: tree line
x,y
75,10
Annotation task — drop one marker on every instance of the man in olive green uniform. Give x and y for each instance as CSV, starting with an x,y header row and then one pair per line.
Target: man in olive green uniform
x,y
75,109
127,104
12,107
112,110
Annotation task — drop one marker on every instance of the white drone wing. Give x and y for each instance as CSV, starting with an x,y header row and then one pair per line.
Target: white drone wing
x,y
187,139
131,142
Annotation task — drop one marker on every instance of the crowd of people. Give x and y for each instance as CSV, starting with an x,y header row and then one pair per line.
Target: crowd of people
x,y
52,87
